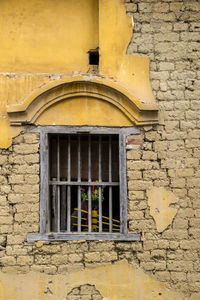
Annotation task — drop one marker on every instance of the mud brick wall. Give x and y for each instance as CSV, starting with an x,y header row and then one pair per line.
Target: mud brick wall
x,y
163,156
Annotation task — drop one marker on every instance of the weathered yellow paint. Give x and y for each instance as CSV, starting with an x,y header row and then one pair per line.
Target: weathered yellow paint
x,y
159,201
47,37
6,132
83,111
115,32
83,100
42,42
2,297
114,282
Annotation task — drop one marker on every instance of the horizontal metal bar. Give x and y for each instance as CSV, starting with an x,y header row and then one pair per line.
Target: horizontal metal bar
x,y
77,236
84,183
82,225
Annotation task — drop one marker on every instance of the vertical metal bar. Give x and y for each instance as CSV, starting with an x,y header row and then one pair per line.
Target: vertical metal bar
x,y
110,208
100,188
110,187
58,179
89,188
123,183
79,188
54,207
63,206
44,187
69,187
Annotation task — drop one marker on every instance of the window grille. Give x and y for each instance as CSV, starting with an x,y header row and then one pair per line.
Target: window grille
x,y
74,162
84,183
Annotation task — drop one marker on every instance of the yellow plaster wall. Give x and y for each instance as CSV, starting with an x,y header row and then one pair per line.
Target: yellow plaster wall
x,y
83,111
47,37
159,200
114,282
131,70
43,41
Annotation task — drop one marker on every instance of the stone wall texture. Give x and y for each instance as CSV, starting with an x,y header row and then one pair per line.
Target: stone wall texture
x,y
165,155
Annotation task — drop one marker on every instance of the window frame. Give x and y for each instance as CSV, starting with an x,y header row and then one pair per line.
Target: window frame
x,y
44,234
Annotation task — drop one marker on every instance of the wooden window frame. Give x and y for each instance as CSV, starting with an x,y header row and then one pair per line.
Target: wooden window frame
x,y
44,234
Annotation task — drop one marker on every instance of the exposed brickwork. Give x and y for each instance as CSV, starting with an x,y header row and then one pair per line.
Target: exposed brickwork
x,y
166,155
84,292
168,32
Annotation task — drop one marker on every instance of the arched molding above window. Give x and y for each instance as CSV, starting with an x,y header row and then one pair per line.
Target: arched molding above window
x,y
93,96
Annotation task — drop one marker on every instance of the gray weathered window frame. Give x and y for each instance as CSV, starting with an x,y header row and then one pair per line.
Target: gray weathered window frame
x,y
44,235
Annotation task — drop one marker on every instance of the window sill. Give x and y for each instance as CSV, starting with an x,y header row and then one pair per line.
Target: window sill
x,y
87,237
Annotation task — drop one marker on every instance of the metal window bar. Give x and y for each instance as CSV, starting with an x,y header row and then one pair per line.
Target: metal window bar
x,y
63,207
69,187
89,188
100,188
110,187
58,182
79,187
58,187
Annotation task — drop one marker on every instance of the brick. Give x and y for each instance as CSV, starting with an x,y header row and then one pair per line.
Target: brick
x,y
6,220
59,259
15,239
180,266
109,256
31,138
26,189
161,7
149,155
74,258
16,179
92,257
178,276
151,266
139,185
25,149
24,260
7,261
176,6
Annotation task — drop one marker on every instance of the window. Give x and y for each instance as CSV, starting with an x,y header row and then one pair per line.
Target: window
x,y
83,191
84,183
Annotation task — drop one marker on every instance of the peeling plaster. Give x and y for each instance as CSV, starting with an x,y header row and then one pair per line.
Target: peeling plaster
x,y
159,201
114,282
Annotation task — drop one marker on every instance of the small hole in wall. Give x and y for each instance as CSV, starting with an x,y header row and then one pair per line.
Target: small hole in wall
x,y
159,294
94,57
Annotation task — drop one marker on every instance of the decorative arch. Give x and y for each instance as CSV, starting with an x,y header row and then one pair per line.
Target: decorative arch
x,y
109,98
